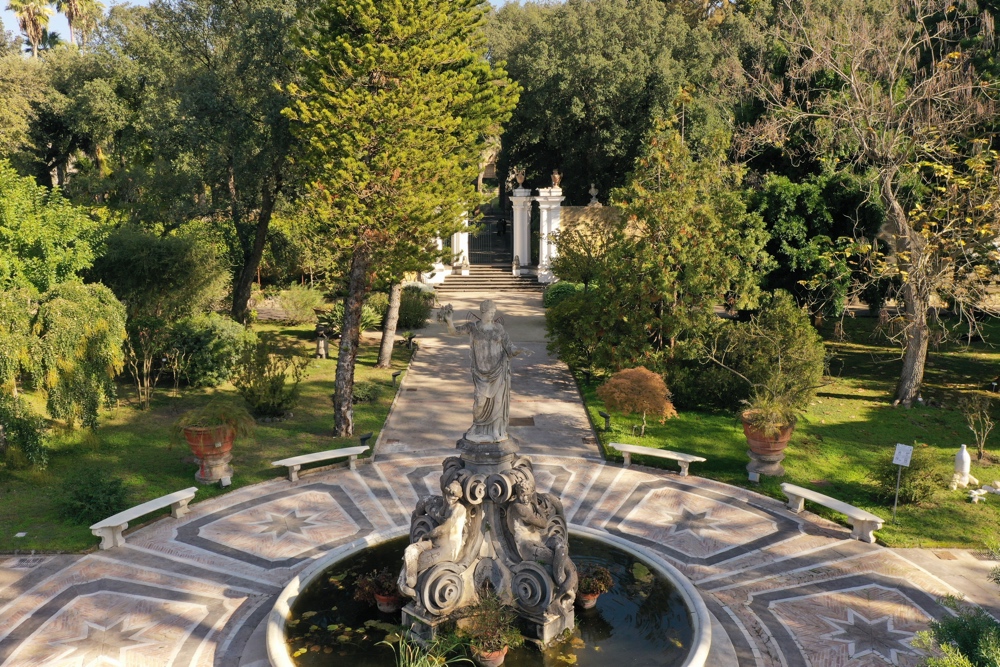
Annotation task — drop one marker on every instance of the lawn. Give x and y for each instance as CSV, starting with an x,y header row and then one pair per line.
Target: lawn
x,y
849,425
136,446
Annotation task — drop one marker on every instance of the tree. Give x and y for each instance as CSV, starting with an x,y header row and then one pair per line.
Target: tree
x,y
44,239
888,88
160,279
72,9
595,75
33,18
394,106
80,330
638,390
20,90
684,245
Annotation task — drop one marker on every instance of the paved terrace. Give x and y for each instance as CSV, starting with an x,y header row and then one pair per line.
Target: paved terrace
x,y
785,590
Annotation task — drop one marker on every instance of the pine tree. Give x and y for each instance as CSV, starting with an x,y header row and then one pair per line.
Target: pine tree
x,y
395,103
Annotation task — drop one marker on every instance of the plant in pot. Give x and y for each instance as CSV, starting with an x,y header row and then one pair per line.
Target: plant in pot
x,y
210,431
379,587
594,580
491,629
780,356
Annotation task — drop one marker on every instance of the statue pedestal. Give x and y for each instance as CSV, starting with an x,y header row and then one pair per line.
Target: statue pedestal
x,y
487,457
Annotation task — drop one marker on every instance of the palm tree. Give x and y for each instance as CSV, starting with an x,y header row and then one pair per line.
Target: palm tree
x,y
71,8
33,18
86,21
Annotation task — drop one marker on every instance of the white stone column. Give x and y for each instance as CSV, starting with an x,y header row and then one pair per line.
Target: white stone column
x,y
549,203
521,200
460,246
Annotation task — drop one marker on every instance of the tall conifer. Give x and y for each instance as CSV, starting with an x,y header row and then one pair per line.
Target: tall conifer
x,y
394,105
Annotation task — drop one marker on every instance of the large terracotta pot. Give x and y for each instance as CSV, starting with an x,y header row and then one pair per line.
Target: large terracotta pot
x,y
766,453
492,659
211,445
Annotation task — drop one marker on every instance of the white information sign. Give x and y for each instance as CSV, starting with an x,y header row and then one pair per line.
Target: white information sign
x,y
903,455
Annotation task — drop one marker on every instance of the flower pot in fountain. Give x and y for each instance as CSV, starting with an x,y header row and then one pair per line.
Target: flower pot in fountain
x,y
593,581
210,431
379,587
491,629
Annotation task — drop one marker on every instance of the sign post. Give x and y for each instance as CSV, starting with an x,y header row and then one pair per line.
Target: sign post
x,y
901,458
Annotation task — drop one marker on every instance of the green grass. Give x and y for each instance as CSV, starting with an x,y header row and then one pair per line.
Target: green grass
x,y
136,446
849,425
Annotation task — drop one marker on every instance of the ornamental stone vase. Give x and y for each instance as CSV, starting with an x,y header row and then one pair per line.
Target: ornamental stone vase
x,y
211,445
766,452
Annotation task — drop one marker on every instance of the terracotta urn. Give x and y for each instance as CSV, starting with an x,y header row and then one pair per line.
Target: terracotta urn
x,y
491,659
389,604
211,445
766,452
587,600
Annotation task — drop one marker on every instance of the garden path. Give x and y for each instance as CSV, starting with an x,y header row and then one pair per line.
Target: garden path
x,y
786,590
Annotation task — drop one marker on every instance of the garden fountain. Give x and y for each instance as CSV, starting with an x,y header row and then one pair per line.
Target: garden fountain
x,y
491,529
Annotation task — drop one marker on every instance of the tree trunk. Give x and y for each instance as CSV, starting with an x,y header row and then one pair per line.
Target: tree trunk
x,y
350,335
241,290
909,248
915,354
389,326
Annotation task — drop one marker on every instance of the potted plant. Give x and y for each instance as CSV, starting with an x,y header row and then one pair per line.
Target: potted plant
x,y
379,587
491,628
594,580
210,431
780,356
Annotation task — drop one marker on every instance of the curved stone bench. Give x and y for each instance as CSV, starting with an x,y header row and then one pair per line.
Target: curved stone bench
x,y
684,460
110,529
863,524
295,463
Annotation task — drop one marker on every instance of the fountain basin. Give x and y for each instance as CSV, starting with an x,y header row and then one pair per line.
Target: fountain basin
x,y
685,640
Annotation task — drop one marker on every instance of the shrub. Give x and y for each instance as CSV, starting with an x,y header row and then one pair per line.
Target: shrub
x,y
21,434
558,292
268,376
206,348
92,495
217,412
415,306
366,392
918,482
333,319
638,390
376,582
697,385
298,303
491,625
969,639
570,336
378,302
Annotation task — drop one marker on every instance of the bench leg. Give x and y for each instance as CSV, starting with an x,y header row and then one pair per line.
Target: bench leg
x,y
796,504
684,468
180,508
293,473
111,536
865,531
628,459
352,462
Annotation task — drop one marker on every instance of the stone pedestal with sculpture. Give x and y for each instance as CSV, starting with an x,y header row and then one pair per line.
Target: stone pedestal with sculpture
x,y
490,527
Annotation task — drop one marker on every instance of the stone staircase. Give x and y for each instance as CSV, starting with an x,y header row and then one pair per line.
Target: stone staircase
x,y
488,278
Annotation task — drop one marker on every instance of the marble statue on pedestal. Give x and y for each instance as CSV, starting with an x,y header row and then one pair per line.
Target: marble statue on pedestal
x,y
490,528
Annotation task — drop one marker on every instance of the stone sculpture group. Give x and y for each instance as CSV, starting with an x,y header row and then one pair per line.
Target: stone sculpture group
x,y
490,528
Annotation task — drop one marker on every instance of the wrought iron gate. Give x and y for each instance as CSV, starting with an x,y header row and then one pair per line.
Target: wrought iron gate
x,y
493,243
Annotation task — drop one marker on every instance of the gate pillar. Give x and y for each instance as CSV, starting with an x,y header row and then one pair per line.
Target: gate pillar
x,y
460,244
521,200
549,202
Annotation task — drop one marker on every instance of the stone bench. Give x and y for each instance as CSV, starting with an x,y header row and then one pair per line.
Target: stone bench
x,y
684,460
110,529
863,524
295,463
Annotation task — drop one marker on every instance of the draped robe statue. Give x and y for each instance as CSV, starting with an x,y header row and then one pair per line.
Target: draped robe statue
x,y
491,354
